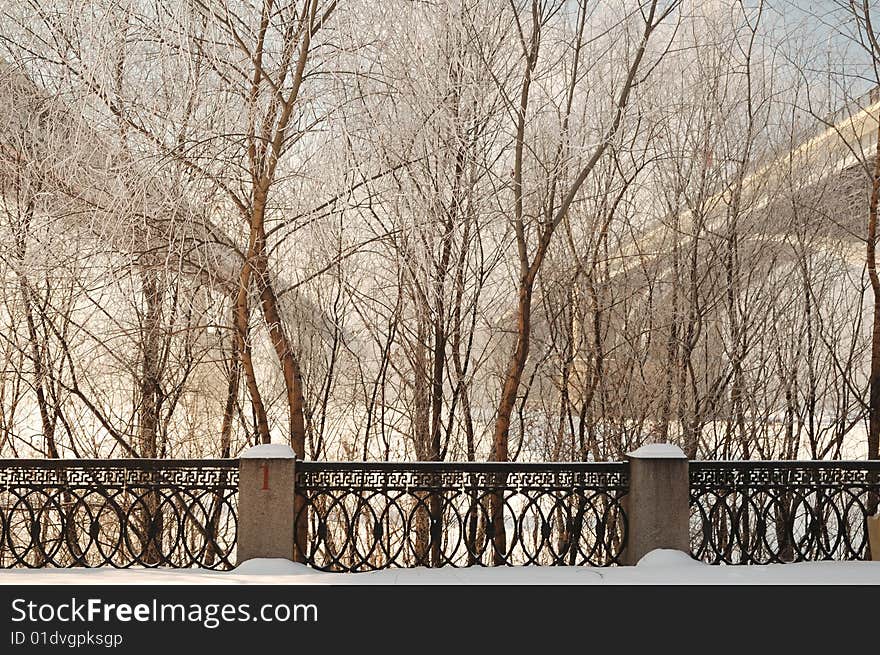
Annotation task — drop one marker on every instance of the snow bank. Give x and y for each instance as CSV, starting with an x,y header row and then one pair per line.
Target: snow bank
x,y
272,566
657,567
663,557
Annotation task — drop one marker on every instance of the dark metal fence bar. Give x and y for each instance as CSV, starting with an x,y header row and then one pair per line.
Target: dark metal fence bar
x,y
758,512
120,513
366,516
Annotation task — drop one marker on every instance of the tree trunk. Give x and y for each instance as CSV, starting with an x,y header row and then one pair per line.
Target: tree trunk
x,y
874,379
242,346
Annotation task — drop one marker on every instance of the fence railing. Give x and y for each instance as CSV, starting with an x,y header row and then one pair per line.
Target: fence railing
x,y
755,512
119,513
365,516
359,516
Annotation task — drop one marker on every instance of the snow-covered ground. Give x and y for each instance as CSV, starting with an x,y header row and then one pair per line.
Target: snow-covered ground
x,y
658,567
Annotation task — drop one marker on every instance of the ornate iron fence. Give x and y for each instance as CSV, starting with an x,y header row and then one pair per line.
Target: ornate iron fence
x,y
761,512
356,516
366,516
120,513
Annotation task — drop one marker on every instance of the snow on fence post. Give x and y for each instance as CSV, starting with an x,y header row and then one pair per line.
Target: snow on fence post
x,y
265,502
657,501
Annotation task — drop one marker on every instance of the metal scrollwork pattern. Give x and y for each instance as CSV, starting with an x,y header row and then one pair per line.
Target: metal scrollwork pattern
x,y
765,512
367,516
119,513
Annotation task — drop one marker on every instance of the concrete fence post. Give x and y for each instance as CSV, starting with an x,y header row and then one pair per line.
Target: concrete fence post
x,y
265,502
873,523
657,502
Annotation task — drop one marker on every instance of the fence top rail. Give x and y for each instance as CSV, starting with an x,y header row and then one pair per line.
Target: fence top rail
x,y
461,467
811,464
311,465
487,467
134,464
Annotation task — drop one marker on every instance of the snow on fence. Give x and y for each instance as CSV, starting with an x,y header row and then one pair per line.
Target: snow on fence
x,y
360,516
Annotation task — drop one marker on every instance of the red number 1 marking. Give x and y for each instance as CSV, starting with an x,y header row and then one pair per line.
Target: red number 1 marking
x,y
265,468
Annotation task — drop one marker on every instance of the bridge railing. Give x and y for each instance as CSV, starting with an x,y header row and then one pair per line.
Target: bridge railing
x,y
364,516
118,513
755,512
360,516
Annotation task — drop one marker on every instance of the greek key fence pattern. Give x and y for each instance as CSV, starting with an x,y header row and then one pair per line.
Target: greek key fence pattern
x,y
119,513
365,516
765,512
